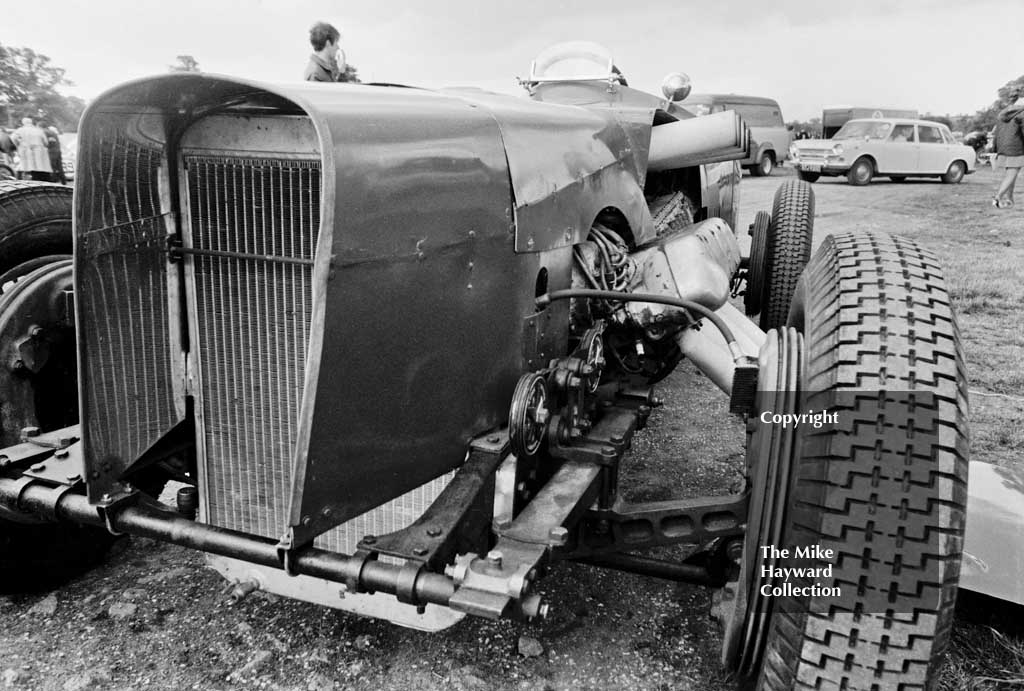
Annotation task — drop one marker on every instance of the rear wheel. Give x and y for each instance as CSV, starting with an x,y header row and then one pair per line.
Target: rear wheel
x,y
765,165
808,177
861,172
955,174
884,488
38,383
787,250
35,220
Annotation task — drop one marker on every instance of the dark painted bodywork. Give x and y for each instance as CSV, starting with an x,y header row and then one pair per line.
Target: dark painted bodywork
x,y
438,212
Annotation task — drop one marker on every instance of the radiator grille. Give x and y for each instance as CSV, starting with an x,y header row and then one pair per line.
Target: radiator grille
x,y
122,295
253,319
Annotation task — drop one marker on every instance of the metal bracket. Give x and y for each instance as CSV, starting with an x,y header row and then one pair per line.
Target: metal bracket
x,y
110,503
631,527
429,539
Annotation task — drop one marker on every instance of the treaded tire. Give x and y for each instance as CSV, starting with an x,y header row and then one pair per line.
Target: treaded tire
x,y
35,220
861,172
764,166
787,251
808,177
876,316
956,172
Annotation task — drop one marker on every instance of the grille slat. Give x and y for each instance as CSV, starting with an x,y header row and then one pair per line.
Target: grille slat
x,y
254,318
251,391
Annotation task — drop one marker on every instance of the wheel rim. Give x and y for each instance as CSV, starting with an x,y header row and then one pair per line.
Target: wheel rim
x,y
862,171
956,171
766,165
771,454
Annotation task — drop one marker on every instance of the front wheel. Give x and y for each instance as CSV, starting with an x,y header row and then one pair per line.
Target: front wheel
x,y
876,497
765,165
955,174
787,251
861,172
808,177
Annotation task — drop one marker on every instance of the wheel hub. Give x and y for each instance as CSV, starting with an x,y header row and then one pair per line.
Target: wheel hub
x,y
37,348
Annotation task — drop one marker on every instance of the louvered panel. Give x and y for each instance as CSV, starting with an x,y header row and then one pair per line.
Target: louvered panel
x,y
254,319
122,297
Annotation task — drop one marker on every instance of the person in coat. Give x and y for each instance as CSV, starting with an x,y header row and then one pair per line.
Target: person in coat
x,y
32,151
327,63
56,157
1008,144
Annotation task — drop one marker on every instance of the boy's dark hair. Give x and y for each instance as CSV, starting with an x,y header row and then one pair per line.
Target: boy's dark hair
x,y
321,33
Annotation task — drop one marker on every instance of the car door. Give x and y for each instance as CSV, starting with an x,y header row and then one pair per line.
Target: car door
x,y
935,155
899,152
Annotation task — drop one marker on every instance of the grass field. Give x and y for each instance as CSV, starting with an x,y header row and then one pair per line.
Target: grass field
x,y
982,251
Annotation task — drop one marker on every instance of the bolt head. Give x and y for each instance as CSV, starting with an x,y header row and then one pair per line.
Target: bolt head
x,y
369,539
420,551
558,535
493,439
433,532
29,431
38,468
73,477
494,557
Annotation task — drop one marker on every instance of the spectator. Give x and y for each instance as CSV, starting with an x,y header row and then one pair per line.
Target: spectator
x,y
35,158
56,158
327,63
1008,144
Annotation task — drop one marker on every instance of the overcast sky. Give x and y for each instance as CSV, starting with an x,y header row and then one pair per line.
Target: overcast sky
x,y
938,56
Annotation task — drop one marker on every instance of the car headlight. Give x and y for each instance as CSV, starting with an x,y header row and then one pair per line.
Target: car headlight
x,y
793,152
837,149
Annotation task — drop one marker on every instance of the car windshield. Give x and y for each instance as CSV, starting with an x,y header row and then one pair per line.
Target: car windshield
x,y
872,129
571,61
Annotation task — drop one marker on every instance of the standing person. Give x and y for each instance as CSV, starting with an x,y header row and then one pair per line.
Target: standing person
x,y
1008,143
35,157
56,158
327,63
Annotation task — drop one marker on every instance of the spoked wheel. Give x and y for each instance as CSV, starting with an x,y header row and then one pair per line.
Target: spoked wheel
x,y
875,498
528,415
779,252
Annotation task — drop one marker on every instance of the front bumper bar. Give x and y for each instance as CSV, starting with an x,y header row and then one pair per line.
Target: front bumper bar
x,y
412,583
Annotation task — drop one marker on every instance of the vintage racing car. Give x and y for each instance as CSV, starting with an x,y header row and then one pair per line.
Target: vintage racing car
x,y
395,343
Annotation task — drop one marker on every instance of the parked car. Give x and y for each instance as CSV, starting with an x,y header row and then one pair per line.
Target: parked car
x,y
894,147
769,136
396,343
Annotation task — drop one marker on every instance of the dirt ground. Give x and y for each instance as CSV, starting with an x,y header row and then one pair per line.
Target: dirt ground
x,y
153,616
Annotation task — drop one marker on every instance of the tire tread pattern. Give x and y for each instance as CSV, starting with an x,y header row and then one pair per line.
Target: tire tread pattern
x,y
877,317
